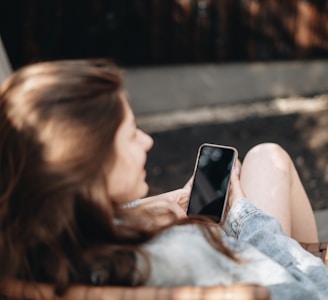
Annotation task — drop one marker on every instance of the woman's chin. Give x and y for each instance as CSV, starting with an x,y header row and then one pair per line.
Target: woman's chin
x,y
144,190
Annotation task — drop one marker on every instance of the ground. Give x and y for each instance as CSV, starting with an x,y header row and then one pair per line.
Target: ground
x,y
303,134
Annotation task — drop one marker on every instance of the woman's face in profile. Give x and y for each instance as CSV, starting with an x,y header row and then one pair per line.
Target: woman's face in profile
x,y
126,177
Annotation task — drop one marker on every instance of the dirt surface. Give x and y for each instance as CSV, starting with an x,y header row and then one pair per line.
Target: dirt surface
x,y
303,135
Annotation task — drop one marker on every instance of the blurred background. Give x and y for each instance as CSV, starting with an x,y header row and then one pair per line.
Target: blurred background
x,y
234,72
153,32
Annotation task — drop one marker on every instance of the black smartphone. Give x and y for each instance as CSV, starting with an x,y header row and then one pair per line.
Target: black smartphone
x,y
211,182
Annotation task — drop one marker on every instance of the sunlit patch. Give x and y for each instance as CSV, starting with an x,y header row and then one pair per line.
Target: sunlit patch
x,y
288,106
22,111
63,141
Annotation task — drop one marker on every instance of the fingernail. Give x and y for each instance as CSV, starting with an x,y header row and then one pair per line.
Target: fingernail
x,y
237,170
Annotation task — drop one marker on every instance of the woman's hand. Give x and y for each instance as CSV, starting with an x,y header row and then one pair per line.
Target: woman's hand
x,y
175,201
236,192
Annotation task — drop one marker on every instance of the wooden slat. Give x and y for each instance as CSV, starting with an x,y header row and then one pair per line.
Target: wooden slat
x,y
20,290
317,249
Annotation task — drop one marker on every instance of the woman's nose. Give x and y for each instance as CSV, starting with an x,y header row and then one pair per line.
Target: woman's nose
x,y
147,140
150,142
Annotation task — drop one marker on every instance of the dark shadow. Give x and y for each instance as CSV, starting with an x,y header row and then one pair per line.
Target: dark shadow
x,y
304,136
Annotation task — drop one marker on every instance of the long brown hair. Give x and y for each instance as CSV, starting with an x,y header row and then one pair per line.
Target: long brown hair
x,y
57,125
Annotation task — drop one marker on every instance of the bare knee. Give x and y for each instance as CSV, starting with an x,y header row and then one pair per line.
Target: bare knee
x,y
268,153
270,149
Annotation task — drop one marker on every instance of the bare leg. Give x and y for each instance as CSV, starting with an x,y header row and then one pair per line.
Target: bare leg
x,y
270,180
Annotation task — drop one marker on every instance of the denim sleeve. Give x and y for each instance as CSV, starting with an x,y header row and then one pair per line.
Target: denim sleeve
x,y
249,224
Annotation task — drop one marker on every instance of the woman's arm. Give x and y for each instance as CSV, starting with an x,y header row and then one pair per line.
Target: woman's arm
x,y
175,201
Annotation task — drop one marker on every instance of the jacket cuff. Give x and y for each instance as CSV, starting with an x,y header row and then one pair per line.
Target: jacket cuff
x,y
237,215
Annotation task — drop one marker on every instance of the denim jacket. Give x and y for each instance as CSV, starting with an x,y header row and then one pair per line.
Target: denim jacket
x,y
182,256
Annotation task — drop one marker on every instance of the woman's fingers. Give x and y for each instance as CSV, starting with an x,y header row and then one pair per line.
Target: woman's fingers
x,y
236,191
175,201
237,167
189,183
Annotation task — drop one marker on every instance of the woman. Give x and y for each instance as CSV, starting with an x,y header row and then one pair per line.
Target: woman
x,y
72,165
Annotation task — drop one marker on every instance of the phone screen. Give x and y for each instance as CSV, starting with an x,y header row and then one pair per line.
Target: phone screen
x,y
211,180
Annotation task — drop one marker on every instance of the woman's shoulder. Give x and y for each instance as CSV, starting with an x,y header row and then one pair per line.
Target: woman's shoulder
x,y
185,252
